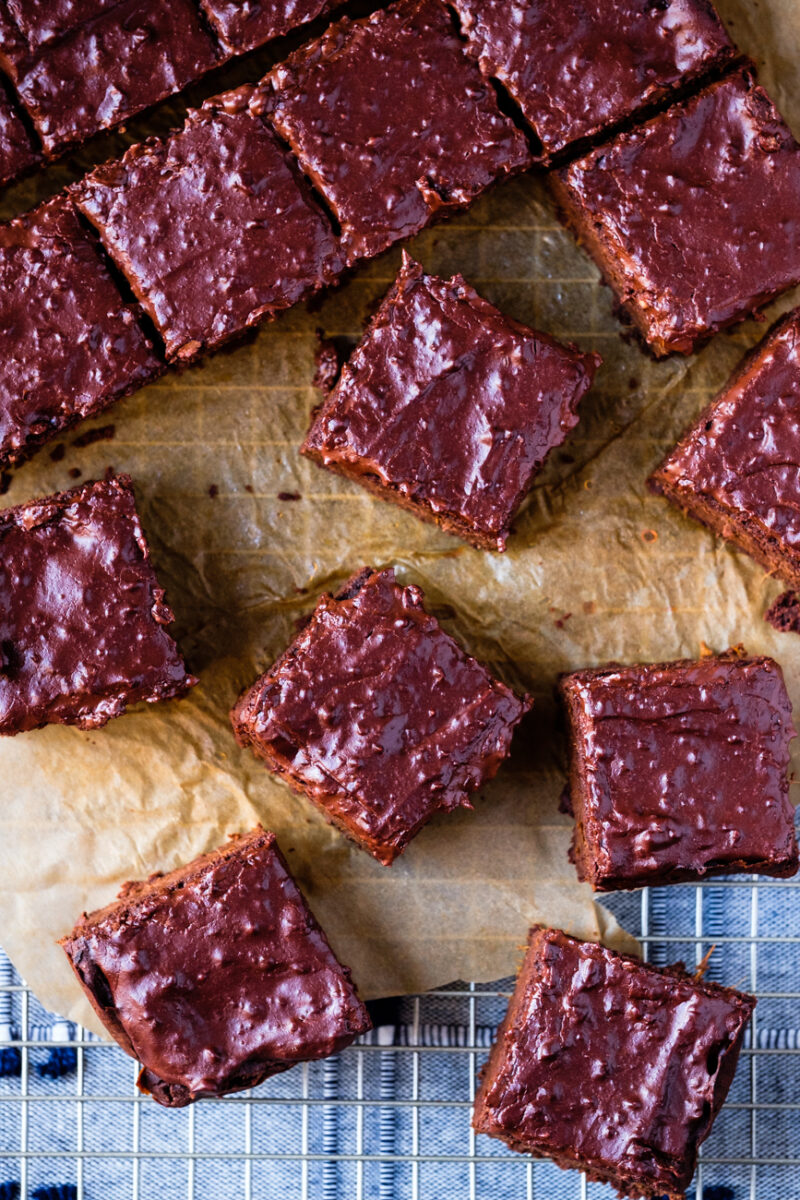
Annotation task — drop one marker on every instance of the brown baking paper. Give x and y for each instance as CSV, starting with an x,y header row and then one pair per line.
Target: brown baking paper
x,y
246,534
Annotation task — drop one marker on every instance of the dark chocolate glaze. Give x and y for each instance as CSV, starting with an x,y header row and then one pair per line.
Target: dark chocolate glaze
x,y
377,715
104,71
392,122
694,217
214,228
244,24
679,770
738,467
69,344
40,21
17,153
605,1063
216,976
575,67
450,406
83,623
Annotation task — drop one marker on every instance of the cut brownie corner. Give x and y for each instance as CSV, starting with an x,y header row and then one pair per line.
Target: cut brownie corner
x,y
585,1029
377,716
170,966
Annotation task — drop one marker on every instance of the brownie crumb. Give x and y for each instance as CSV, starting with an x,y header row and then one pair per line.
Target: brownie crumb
x,y
104,434
784,613
74,472
213,491
248,487
289,496
326,360
58,452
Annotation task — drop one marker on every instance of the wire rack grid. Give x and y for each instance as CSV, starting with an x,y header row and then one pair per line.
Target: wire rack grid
x,y
389,1118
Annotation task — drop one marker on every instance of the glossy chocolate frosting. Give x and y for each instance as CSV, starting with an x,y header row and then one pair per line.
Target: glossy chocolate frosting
x,y
740,463
69,344
17,153
83,623
108,68
694,217
450,405
609,1064
377,715
40,21
216,976
392,122
679,770
244,24
575,67
214,228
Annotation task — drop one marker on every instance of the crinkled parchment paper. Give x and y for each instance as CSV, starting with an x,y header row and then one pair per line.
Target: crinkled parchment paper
x,y
597,570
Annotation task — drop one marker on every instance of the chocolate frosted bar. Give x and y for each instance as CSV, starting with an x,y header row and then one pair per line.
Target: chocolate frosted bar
x,y
392,122
214,228
610,1065
680,771
244,24
216,976
576,67
83,623
693,217
69,344
738,468
449,408
378,716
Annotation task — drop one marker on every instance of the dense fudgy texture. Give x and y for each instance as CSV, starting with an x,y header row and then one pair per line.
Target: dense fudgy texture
x,y
216,976
680,770
214,228
17,153
39,21
378,716
244,24
576,67
392,122
83,623
610,1065
449,408
108,68
693,217
784,613
738,468
69,344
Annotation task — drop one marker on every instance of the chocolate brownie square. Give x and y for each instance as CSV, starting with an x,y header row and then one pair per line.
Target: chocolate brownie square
x,y
693,216
610,1065
392,122
738,468
577,67
216,976
449,408
679,771
83,623
378,716
69,343
106,69
244,24
214,228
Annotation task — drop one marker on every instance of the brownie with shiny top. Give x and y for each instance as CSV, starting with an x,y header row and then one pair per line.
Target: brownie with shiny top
x,y
378,716
83,623
69,343
738,468
610,1065
577,67
694,216
244,24
102,70
216,976
449,408
214,228
680,771
392,122
37,22
17,152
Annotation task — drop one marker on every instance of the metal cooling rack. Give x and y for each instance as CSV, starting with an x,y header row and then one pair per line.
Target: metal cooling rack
x,y
389,1118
